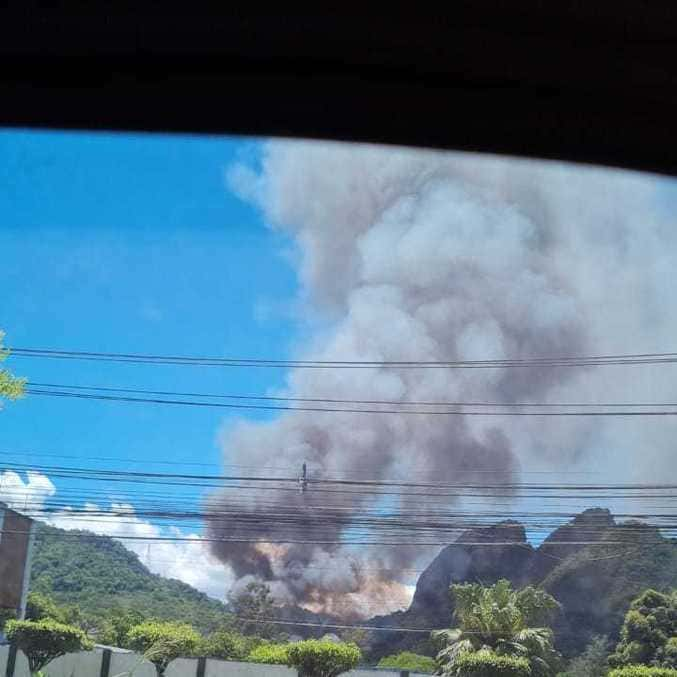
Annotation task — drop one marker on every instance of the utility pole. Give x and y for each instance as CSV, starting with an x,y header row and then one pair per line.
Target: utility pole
x,y
303,480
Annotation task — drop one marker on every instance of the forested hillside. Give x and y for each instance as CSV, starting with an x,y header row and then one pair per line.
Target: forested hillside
x,y
98,574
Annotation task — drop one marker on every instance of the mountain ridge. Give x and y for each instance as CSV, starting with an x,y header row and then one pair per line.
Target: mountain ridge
x,y
579,563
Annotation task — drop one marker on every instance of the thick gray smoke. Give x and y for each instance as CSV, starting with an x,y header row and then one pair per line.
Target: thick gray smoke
x,y
417,255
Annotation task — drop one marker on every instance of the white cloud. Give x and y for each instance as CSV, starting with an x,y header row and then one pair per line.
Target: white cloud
x,y
25,496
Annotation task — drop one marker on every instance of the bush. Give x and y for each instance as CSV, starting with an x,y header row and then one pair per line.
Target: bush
x,y
275,654
407,660
485,663
226,645
645,636
43,641
41,607
642,671
161,642
317,658
114,630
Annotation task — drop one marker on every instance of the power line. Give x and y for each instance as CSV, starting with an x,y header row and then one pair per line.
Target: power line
x,y
389,569
406,412
557,361
262,517
288,541
282,522
128,459
336,626
327,400
95,472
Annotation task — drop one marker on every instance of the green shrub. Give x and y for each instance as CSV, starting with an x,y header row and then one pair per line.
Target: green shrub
x,y
161,642
485,663
275,654
645,636
407,660
226,645
642,671
114,629
321,658
43,641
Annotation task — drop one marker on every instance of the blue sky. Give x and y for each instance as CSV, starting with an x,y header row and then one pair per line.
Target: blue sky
x,y
133,243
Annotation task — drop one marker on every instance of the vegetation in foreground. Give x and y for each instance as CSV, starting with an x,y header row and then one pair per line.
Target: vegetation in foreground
x,y
43,641
408,660
163,642
649,632
501,632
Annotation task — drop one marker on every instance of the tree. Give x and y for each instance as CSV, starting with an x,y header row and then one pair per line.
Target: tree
x,y
115,629
41,607
227,645
256,602
593,662
163,642
498,621
11,387
269,654
407,660
648,632
43,641
317,658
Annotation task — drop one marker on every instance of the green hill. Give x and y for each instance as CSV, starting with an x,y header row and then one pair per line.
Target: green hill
x,y
98,573
597,584
593,583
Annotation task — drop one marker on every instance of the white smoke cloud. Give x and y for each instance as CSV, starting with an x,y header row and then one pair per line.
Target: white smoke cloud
x,y
419,255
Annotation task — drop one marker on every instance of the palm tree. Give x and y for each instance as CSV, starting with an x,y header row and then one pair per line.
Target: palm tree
x,y
502,621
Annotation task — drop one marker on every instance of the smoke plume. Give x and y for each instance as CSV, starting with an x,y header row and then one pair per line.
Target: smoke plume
x,y
420,255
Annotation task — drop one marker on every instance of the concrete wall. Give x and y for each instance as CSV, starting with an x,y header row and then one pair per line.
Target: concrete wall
x,y
217,668
88,664
126,663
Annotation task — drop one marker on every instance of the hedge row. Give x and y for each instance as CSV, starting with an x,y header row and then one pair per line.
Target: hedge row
x,y
642,671
486,663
